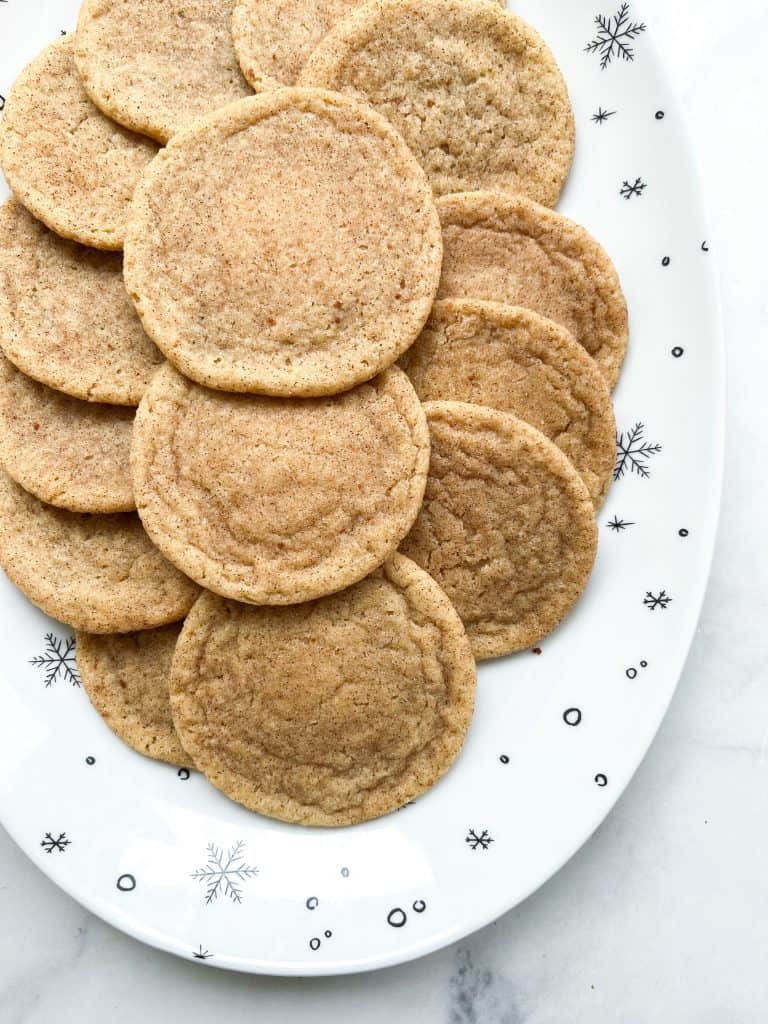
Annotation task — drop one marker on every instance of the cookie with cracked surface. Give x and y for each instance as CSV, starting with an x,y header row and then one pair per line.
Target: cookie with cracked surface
x,y
98,573
65,316
273,38
507,527
156,65
509,249
126,677
327,713
514,360
71,454
276,501
287,244
474,90
71,166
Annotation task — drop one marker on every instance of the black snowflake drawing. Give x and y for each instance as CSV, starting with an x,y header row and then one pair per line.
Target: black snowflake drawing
x,y
202,954
602,115
617,525
654,601
630,189
478,842
58,660
633,453
614,37
225,872
60,843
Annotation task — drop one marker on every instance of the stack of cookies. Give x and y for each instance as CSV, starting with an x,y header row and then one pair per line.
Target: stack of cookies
x,y
372,369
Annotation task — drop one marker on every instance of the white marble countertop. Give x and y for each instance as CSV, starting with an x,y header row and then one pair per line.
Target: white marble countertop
x,y
663,915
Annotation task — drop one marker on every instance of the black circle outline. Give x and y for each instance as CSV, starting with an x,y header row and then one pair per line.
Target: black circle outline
x,y
312,903
571,711
396,923
128,888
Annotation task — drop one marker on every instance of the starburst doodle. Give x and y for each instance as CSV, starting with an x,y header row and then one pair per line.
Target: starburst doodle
x,y
478,842
602,115
633,453
614,37
202,954
58,660
617,525
60,843
635,188
654,601
224,873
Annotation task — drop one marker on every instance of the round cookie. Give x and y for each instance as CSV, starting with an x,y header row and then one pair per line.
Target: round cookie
x,y
65,316
327,713
473,89
273,38
100,573
507,527
156,65
509,249
514,360
126,678
276,501
64,160
287,245
72,454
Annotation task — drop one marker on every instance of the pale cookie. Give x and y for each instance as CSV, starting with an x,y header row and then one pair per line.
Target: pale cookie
x,y
275,501
63,159
65,316
273,38
473,89
72,454
126,678
98,573
514,360
287,244
508,249
327,713
156,65
507,527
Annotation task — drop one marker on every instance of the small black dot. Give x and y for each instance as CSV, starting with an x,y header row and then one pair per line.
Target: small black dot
x,y
419,906
659,115
705,246
126,883
396,917
601,780
314,943
327,934
677,351
183,774
504,758
631,673
682,533
572,716
666,261
345,872
90,759
312,903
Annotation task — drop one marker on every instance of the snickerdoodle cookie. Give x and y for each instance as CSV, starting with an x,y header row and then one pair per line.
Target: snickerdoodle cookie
x,y
517,361
273,38
331,712
99,573
126,677
286,244
473,89
71,166
509,249
275,501
507,527
156,65
65,316
72,454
